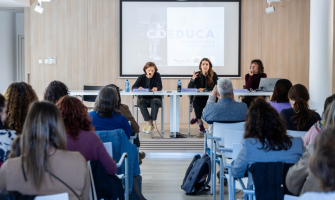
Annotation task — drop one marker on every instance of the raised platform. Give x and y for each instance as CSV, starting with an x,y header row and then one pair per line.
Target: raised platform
x,y
154,142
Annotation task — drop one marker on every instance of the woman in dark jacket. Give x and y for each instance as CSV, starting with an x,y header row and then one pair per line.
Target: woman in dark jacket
x,y
205,79
151,79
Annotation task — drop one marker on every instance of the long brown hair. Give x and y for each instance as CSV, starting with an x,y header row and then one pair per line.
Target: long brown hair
x,y
263,122
303,115
19,96
329,115
322,162
75,116
280,92
210,74
106,102
260,66
42,130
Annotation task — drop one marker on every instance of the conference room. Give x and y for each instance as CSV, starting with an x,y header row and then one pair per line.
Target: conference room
x,y
167,99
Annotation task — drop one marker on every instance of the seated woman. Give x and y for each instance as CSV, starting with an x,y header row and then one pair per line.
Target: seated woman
x,y
206,78
265,140
319,125
279,99
45,166
253,78
6,136
105,114
151,79
299,117
19,96
55,91
322,166
80,133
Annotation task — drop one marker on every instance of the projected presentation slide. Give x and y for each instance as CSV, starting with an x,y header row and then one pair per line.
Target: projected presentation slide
x,y
177,35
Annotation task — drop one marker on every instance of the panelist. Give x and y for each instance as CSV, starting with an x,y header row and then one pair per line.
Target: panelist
x,y
151,79
203,80
253,78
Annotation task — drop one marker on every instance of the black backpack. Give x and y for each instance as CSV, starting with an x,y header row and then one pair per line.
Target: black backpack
x,y
197,176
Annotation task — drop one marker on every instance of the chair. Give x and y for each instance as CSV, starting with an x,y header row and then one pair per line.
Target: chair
x,y
289,197
296,133
162,113
62,196
90,98
124,158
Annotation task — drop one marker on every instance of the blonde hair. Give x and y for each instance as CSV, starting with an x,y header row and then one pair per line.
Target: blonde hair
x,y
43,129
329,115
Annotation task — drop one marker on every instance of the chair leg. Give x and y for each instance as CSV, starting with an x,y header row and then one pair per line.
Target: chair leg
x,y
221,179
229,185
189,115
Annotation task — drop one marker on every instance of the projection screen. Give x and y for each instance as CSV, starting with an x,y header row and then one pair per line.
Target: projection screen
x,y
176,35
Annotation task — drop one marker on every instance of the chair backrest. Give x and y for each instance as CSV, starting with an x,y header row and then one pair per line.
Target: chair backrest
x,y
289,197
109,148
62,196
232,137
93,194
219,130
91,98
296,133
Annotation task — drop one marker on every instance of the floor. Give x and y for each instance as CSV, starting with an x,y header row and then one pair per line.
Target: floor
x,y
162,179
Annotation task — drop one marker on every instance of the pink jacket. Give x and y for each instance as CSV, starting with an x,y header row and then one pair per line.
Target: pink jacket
x,y
310,136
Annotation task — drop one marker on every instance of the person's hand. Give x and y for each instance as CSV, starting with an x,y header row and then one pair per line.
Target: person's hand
x,y
195,75
200,89
154,89
214,92
251,73
140,88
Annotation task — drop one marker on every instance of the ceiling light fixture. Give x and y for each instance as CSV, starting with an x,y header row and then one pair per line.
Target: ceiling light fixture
x,y
270,9
38,7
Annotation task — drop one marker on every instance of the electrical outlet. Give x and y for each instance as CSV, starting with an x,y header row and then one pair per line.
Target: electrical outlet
x,y
46,61
40,61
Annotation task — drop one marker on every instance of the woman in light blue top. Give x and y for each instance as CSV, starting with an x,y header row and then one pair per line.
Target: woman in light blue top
x,y
265,140
322,165
279,99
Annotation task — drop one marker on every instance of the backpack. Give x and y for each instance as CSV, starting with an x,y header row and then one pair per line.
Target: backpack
x,y
197,176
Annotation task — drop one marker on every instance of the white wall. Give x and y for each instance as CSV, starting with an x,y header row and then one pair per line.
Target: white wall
x,y
19,31
7,49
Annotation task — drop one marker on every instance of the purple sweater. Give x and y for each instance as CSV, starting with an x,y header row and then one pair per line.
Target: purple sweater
x,y
92,148
280,106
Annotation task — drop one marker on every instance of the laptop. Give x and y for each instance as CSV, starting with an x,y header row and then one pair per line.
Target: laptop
x,y
268,84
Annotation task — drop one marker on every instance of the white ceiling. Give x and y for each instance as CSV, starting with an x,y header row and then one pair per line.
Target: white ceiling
x,y
14,3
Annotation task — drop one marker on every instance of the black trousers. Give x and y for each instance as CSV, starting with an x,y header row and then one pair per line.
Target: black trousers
x,y
199,104
154,104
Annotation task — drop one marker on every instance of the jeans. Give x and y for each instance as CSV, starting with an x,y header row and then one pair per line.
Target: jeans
x,y
154,104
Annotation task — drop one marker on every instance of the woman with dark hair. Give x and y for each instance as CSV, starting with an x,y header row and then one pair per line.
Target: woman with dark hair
x,y
55,91
253,78
19,96
265,140
299,117
279,99
322,167
80,133
205,79
106,115
6,136
329,120
151,79
45,167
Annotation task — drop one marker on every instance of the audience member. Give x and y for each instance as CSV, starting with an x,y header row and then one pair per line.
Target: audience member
x,y
45,167
105,114
322,165
6,136
15,147
18,95
226,109
55,91
329,119
80,133
279,99
299,117
265,140
124,110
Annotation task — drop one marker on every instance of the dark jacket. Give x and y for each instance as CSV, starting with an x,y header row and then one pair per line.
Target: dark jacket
x,y
106,186
144,82
9,195
201,82
272,186
289,113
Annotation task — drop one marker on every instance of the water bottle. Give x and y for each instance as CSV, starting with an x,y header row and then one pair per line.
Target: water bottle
x,y
127,86
179,86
